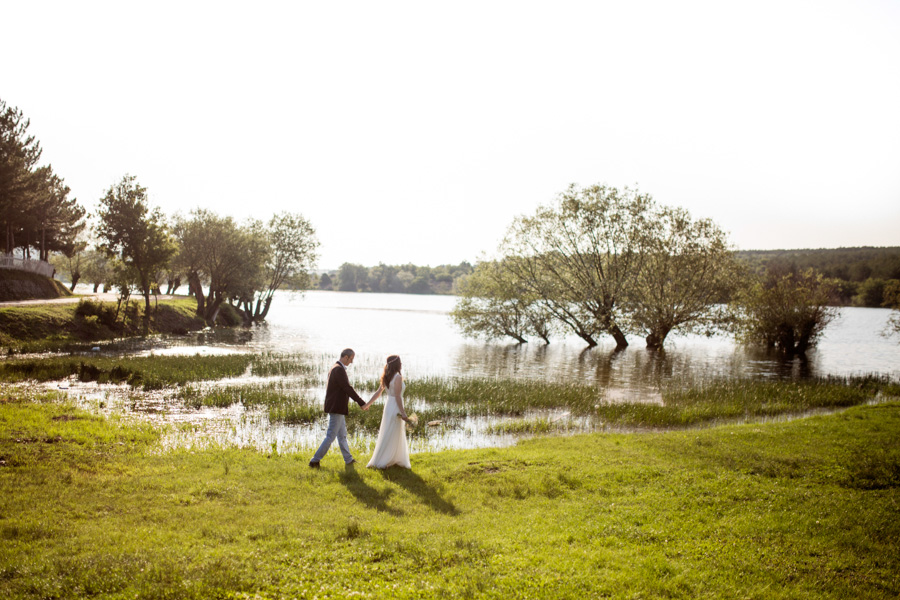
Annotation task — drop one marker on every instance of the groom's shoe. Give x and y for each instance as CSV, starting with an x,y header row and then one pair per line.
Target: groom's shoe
x,y
314,464
352,462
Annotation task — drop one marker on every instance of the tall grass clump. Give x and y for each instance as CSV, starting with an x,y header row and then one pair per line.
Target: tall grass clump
x,y
484,396
271,364
521,426
282,406
294,413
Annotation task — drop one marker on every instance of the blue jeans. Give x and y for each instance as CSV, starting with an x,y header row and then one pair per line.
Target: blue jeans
x,y
337,428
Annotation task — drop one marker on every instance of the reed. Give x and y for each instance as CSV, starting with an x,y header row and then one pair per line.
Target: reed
x,y
147,372
521,426
273,364
483,396
282,404
294,413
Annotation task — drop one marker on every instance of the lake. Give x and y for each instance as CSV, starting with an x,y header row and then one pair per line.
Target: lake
x,y
319,324
419,329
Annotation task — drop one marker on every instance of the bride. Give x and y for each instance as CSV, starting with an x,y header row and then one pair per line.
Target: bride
x,y
391,448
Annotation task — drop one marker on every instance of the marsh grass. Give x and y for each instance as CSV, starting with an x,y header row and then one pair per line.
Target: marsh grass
x,y
283,404
147,372
521,426
483,396
275,364
735,399
292,394
89,507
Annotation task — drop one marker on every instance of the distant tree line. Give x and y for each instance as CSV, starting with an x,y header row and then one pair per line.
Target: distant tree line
x,y
398,279
863,275
37,215
602,261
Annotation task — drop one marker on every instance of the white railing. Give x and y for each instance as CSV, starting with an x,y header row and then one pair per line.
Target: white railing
x,y
25,264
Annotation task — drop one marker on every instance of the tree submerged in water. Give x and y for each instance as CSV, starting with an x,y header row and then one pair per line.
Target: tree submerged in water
x,y
600,261
786,309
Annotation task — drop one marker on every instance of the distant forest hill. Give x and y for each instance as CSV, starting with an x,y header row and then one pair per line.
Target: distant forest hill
x,y
846,264
863,272
397,279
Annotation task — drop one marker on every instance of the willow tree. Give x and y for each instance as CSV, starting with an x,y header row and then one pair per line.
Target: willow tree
x,y
786,309
219,253
581,255
291,252
686,277
492,305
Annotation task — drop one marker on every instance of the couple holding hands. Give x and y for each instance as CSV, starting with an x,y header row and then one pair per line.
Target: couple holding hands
x,y
391,447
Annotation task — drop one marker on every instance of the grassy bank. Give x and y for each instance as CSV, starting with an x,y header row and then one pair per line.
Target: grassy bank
x,y
803,509
42,327
24,285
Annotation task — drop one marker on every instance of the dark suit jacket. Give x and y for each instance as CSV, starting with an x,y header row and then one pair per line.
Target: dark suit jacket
x,y
339,391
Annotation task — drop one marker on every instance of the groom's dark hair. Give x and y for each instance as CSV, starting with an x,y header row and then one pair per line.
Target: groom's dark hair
x,y
347,352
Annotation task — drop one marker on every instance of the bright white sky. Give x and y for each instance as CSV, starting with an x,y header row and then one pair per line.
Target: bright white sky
x,y
416,131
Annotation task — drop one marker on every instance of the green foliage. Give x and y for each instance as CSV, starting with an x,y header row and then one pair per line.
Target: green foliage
x,y
602,261
786,310
892,300
397,279
130,230
35,208
687,273
217,250
492,306
291,254
580,255
846,264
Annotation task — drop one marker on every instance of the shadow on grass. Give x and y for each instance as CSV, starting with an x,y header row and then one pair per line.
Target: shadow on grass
x,y
365,493
412,482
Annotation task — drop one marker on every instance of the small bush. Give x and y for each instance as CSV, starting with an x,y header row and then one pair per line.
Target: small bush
x,y
94,312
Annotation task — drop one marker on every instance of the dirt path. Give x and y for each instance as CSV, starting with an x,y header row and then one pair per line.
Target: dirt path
x,y
107,297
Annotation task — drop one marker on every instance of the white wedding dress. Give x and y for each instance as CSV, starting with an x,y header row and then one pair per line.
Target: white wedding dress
x,y
391,447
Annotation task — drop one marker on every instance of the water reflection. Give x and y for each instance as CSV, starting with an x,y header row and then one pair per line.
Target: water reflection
x,y
419,329
320,324
630,373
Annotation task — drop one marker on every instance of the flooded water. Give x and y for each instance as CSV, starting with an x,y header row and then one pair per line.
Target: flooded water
x,y
419,328
319,324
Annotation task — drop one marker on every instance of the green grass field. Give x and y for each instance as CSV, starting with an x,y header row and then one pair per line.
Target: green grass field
x,y
809,508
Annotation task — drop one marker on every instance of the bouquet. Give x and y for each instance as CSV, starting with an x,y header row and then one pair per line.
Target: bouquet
x,y
412,419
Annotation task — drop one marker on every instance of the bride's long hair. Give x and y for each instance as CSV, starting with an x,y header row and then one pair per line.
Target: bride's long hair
x,y
391,368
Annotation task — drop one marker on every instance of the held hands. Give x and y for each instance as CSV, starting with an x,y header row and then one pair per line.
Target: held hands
x,y
373,398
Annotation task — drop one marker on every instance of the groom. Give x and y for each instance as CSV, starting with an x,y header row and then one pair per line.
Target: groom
x,y
337,395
